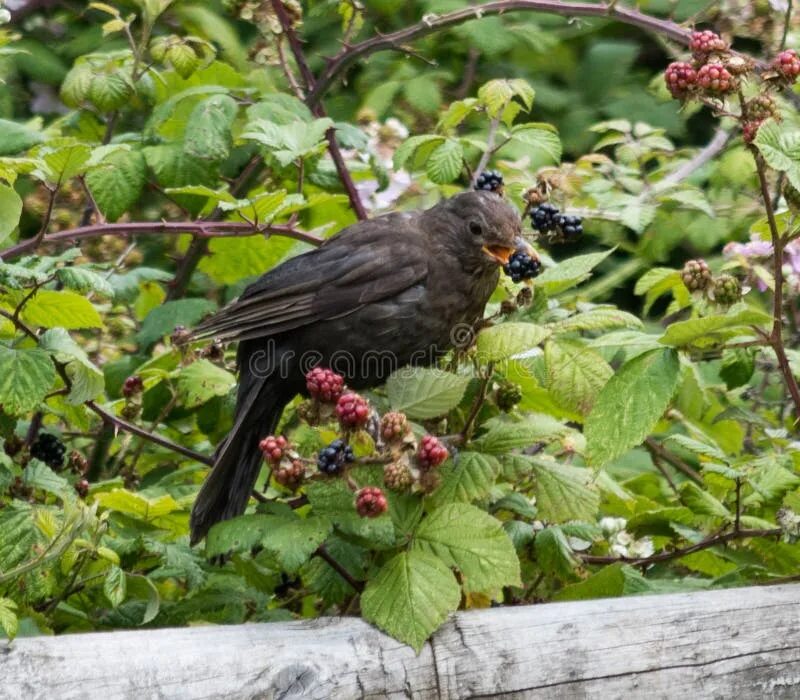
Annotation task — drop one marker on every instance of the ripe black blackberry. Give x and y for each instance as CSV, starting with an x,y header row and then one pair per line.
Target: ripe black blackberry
x,y
50,450
521,266
569,227
543,218
331,460
489,180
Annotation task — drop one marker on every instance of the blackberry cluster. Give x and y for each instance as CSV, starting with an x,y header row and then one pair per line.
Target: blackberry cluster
x,y
132,386
750,130
324,384
680,78
431,452
50,450
521,266
543,217
787,63
397,476
332,459
727,290
371,502
352,411
490,181
570,227
290,475
394,426
508,395
705,42
273,448
82,488
715,78
696,275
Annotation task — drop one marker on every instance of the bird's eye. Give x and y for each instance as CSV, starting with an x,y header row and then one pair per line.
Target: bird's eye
x,y
475,228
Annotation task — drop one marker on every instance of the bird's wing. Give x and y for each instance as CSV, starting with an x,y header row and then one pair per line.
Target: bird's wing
x,y
365,263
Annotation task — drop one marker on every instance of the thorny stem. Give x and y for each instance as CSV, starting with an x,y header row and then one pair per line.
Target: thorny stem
x,y
325,555
776,335
660,452
719,538
483,390
490,149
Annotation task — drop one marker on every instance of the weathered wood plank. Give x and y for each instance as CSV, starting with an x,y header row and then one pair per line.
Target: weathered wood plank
x,y
739,643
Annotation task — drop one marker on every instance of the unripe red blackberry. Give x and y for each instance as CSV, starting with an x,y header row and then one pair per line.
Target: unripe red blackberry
x,y
394,426
787,63
290,475
760,107
132,386
508,395
273,448
715,79
706,42
696,275
750,130
397,476
77,462
82,488
371,502
324,384
431,452
727,290
681,78
352,410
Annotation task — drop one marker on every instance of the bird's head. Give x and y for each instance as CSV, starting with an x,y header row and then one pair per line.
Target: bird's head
x,y
485,230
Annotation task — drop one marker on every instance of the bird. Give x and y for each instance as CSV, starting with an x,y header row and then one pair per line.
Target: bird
x,y
378,295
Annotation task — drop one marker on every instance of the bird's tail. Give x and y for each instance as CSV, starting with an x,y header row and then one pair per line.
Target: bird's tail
x,y
237,460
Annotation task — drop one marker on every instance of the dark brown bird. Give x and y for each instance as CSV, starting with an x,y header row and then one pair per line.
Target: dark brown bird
x,y
378,295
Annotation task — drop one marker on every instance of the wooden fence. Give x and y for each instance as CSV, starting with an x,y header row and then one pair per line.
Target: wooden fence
x,y
738,643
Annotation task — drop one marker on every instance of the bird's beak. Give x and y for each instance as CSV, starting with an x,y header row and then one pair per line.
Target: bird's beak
x,y
499,253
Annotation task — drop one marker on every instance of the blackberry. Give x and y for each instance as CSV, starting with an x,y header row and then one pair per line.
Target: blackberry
x,y
543,218
132,386
787,63
397,476
750,130
696,275
706,42
715,78
508,395
50,450
521,266
324,384
727,290
570,227
431,452
331,460
394,426
489,180
371,502
760,107
82,488
77,462
290,475
680,78
352,410
273,448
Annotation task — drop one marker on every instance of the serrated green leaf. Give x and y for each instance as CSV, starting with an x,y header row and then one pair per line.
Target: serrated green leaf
x,y
702,502
445,162
208,129
39,475
495,95
469,477
506,340
410,597
109,91
8,618
570,272
16,138
163,319
10,211
575,373
115,586
553,553
541,136
288,142
423,393
708,328
630,404
501,436
63,162
780,148
564,492
87,380
469,539
201,381
335,501
53,309
25,377
407,149
116,184
173,167
596,320
79,279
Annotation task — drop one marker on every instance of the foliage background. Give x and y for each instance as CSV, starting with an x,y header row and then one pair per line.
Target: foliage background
x,y
179,112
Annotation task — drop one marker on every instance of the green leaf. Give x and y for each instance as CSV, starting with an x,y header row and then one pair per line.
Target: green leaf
x,y
600,319
65,161
15,138
335,501
201,381
543,137
570,272
163,319
423,393
563,492
51,309
289,142
706,330
117,183
79,279
410,597
780,147
503,435
109,91
10,211
505,340
115,586
469,477
445,162
25,377
575,373
702,502
208,129
629,405
87,380
39,475
553,553
8,618
496,94
466,537
173,167
609,582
